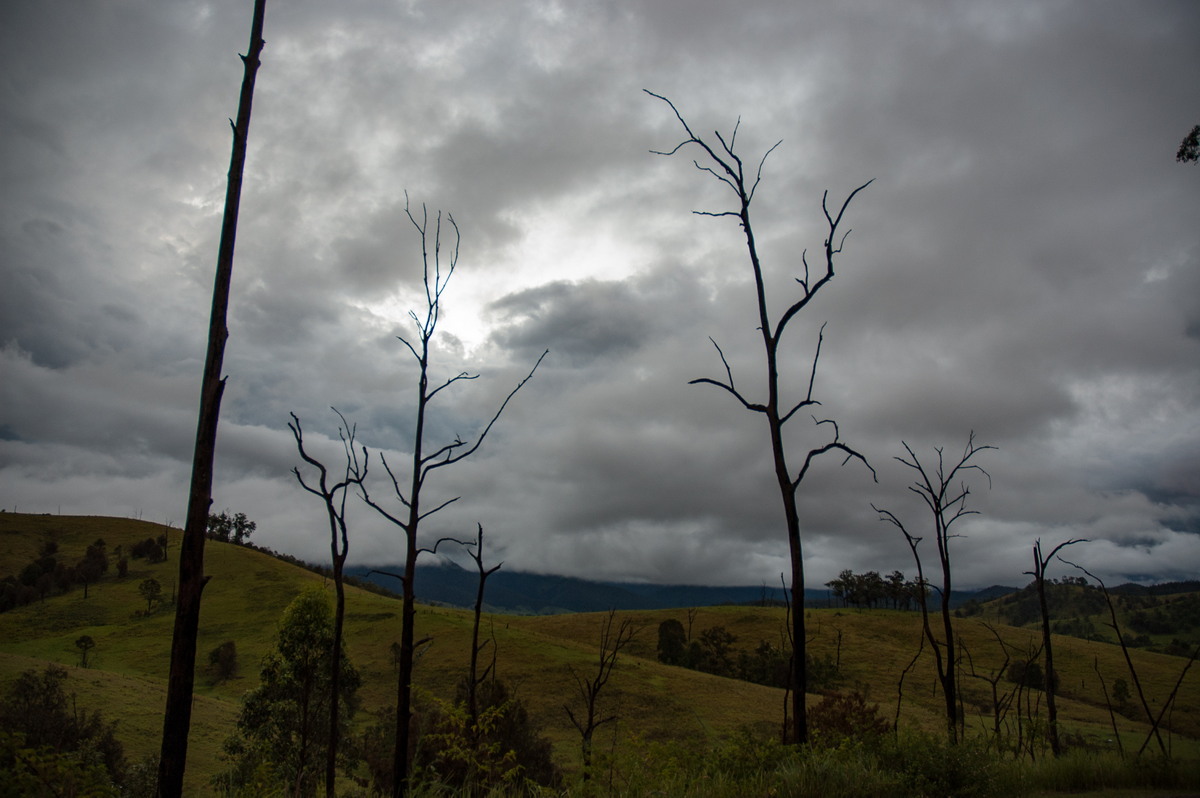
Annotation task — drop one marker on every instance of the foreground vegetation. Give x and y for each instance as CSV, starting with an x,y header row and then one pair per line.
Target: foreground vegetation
x,y
675,731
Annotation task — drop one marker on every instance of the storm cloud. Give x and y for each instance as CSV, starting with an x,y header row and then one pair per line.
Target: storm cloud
x,y
1025,266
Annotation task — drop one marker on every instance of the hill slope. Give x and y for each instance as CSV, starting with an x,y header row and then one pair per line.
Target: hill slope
x,y
250,589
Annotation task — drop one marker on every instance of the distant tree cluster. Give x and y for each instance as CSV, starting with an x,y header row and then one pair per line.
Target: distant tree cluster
x,y
713,651
153,550
49,574
1076,603
227,528
870,590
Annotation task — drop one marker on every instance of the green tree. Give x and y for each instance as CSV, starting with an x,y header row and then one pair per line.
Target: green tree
x,y
1120,693
230,528
55,742
84,643
284,723
151,591
672,642
92,565
224,660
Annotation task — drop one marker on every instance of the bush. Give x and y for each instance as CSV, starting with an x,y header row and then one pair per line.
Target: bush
x,y
224,661
504,749
929,765
37,716
840,717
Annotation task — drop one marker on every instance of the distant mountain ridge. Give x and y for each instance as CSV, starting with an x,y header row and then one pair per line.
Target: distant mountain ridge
x,y
523,593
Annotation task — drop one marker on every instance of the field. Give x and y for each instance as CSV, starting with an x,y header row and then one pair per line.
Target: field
x,y
249,590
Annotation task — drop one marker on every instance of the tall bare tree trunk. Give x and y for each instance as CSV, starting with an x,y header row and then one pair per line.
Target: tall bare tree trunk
x,y
178,714
1039,574
729,168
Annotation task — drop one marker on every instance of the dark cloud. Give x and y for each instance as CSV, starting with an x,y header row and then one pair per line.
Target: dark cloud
x,y
1026,265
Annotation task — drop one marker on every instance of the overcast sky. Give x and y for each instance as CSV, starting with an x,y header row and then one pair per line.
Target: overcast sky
x,y
1026,265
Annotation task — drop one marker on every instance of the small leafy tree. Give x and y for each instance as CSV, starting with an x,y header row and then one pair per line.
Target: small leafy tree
x,y
672,642
151,591
284,723
92,565
224,660
84,643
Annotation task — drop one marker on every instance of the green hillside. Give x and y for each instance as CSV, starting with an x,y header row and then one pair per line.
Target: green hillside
x,y
249,591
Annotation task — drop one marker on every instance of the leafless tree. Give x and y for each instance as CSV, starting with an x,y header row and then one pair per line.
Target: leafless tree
x,y
947,503
1133,674
613,638
1040,562
474,677
1001,699
438,268
1112,716
722,162
177,717
334,498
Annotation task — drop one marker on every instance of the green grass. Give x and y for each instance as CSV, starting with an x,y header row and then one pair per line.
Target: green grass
x,y
536,655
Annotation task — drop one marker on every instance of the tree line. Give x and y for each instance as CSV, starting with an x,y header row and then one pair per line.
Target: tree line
x,y
870,590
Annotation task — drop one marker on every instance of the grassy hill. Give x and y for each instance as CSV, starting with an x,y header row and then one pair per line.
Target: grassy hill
x,y
249,591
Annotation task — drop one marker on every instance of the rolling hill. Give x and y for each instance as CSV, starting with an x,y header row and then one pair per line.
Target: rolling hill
x,y
535,654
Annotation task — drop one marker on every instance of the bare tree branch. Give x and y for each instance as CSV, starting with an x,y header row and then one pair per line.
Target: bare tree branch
x,y
724,164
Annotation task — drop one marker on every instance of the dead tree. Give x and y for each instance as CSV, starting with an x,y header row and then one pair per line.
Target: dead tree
x,y
424,463
1039,576
1137,683
1112,716
177,716
474,677
334,497
589,687
947,504
1001,699
723,163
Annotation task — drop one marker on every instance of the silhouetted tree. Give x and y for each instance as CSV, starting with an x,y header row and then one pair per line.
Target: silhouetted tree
x,y
1133,674
1038,573
85,643
91,566
177,717
723,163
424,462
334,498
224,660
672,642
286,718
613,638
230,528
151,591
476,678
947,503
1189,148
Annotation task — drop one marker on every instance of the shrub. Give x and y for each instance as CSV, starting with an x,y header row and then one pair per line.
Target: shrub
x,y
504,749
224,661
841,717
